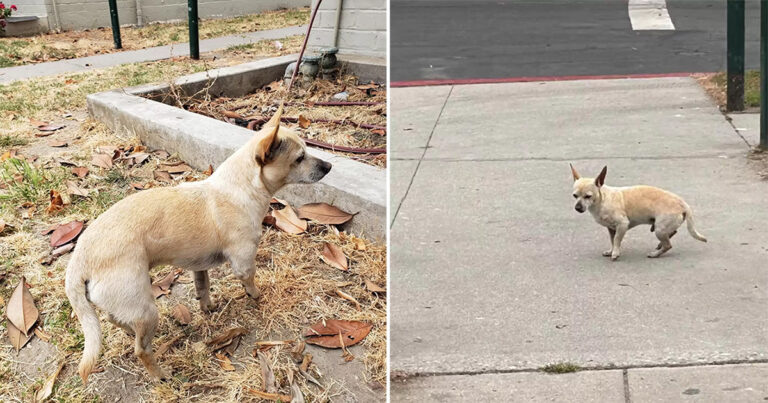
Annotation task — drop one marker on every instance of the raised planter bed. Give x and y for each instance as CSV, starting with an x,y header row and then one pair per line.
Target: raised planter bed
x,y
21,26
201,141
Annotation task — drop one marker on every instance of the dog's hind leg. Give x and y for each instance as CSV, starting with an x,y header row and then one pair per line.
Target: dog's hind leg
x,y
611,234
670,237
666,228
120,324
203,288
145,331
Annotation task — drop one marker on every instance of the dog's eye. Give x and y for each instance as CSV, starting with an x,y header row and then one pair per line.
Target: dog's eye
x,y
575,196
301,158
587,196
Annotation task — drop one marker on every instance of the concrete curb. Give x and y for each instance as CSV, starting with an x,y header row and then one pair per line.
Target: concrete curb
x,y
200,140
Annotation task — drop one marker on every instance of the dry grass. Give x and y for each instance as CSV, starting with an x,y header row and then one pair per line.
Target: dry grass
x,y
299,103
298,289
716,86
72,44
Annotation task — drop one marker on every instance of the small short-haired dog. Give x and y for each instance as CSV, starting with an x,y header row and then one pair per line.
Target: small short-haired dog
x,y
195,226
621,208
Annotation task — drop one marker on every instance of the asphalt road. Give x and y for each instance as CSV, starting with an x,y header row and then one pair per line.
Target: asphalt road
x,y
464,39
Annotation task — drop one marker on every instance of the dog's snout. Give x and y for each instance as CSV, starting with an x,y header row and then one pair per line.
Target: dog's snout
x,y
579,208
325,167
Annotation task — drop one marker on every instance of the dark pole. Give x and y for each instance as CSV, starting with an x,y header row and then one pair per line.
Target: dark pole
x,y
304,45
763,73
115,24
194,40
735,85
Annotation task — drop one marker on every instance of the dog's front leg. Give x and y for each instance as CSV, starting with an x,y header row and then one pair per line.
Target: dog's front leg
x,y
611,234
243,266
203,288
621,229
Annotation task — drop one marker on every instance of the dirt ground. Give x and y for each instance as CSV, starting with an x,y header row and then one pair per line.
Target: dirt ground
x,y
298,288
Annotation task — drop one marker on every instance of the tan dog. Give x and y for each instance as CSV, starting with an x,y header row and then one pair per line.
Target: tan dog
x,y
621,208
196,226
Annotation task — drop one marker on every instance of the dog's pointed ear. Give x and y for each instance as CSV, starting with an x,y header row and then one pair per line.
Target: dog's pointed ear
x,y
269,142
575,174
600,180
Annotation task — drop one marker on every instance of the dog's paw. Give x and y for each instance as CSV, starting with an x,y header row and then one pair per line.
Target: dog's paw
x,y
608,253
615,256
160,375
208,306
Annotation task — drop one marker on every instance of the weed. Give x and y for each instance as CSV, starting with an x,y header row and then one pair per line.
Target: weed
x,y
25,183
561,368
12,141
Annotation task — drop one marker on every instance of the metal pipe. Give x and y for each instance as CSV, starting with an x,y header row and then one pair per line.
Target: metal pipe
x,y
194,39
735,55
304,45
139,14
764,74
115,24
56,14
338,24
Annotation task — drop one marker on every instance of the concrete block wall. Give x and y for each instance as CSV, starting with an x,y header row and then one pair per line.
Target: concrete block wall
x,y
82,14
362,29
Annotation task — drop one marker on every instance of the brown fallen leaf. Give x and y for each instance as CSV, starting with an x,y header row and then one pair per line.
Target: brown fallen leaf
x,y
17,338
327,335
163,286
324,213
62,250
80,171
373,287
267,374
181,313
50,128
162,154
57,143
162,176
229,337
175,169
334,256
102,161
297,352
304,122
306,360
269,396
209,171
56,204
287,220
65,233
167,345
380,132
2,226
75,190
137,186
349,298
139,158
46,390
50,229
272,343
232,115
369,86
42,334
21,310
359,244
224,362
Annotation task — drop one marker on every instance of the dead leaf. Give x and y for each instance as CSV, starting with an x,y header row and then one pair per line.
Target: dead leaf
x,y
348,297
305,361
62,250
2,226
137,186
21,310
327,335
163,287
370,86
65,233
182,314
17,338
175,169
272,343
57,143
102,161
50,128
334,256
162,176
42,334
287,220
47,389
324,213
50,229
162,154
269,396
209,171
224,362
304,122
167,345
75,190
373,287
233,115
297,351
139,158
267,374
79,171
56,204
380,132
359,244
229,337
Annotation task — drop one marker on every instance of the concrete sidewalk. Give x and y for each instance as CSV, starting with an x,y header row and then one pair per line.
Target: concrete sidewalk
x,y
10,74
494,275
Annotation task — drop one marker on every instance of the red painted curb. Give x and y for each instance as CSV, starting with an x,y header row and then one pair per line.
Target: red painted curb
x,y
469,81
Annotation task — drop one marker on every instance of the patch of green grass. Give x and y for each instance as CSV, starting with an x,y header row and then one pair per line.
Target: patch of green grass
x,y
561,368
11,53
751,86
12,141
27,183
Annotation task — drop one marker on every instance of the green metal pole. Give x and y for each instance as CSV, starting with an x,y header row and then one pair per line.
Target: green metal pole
x,y
735,86
115,24
194,40
764,74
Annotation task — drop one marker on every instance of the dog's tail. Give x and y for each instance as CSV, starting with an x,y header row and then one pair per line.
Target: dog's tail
x,y
75,287
688,217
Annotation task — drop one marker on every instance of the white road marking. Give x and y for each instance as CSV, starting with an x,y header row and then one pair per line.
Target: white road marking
x,y
650,15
